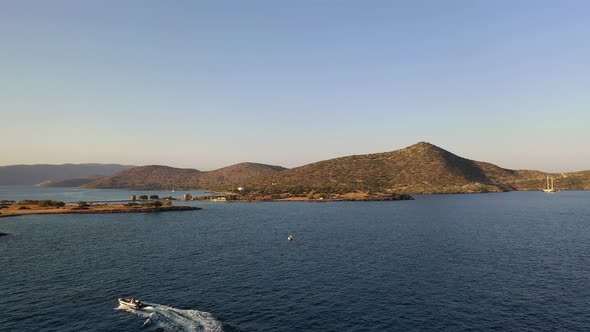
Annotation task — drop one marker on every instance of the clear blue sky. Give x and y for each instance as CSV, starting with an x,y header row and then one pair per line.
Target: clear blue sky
x,y
205,84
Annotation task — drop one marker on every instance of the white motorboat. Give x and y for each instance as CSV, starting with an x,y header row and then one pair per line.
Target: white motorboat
x,y
131,302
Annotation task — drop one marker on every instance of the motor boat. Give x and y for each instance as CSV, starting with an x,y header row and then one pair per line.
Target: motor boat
x,y
131,302
290,237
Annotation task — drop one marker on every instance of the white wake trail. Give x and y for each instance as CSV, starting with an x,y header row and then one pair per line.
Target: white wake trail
x,y
167,318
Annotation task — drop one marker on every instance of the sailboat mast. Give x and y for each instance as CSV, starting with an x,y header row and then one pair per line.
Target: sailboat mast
x,y
552,183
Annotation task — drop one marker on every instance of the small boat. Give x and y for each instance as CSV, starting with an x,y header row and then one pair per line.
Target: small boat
x,y
131,302
290,237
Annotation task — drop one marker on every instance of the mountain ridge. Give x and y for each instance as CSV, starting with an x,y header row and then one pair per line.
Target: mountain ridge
x,y
166,177
33,174
422,168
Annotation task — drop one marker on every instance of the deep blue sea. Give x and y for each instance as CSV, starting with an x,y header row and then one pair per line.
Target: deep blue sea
x,y
515,261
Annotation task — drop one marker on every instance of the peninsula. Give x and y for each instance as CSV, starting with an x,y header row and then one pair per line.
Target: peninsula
x,y
29,207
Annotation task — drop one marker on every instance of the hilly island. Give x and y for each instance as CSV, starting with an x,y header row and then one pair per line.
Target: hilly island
x,y
422,168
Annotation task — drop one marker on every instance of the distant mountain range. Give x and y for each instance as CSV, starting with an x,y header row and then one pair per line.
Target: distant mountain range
x,y
420,168
28,175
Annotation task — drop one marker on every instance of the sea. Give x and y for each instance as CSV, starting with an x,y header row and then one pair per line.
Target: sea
x,y
517,261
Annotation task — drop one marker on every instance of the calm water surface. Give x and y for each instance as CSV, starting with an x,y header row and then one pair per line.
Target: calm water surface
x,y
77,194
512,261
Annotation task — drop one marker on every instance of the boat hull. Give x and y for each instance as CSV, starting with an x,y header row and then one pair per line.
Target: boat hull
x,y
124,302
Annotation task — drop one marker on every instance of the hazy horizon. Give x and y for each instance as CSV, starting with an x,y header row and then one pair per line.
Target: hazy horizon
x,y
209,84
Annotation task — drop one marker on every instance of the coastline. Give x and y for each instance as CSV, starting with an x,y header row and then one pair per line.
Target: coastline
x,y
325,200
351,197
100,209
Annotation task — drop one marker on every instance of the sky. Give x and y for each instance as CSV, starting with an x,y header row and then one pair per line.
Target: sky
x,y
206,84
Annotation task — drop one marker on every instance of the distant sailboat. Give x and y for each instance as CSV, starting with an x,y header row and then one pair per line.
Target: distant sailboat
x,y
550,188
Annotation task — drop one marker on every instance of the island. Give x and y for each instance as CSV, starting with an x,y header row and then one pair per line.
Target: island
x,y
422,168
30,207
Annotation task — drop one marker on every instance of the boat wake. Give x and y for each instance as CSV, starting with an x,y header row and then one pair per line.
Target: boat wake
x,y
164,318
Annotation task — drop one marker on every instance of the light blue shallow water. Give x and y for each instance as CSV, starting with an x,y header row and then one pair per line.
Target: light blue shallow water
x,y
511,261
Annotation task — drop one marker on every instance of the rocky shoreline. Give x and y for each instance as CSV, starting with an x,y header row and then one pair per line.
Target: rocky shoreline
x,y
335,198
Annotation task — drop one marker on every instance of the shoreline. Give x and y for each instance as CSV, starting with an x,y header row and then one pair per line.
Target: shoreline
x,y
100,209
337,198
325,200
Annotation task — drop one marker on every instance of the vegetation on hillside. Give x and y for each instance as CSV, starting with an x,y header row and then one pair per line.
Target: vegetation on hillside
x,y
421,168
163,177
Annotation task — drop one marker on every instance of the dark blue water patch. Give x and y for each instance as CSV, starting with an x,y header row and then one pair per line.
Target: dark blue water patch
x,y
513,261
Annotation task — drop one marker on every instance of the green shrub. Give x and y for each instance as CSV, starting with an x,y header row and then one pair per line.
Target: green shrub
x,y
41,203
82,205
27,202
154,197
50,203
152,204
45,203
143,197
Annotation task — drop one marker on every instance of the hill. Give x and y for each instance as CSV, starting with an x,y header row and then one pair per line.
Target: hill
x,y
164,177
150,177
420,168
231,177
28,175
